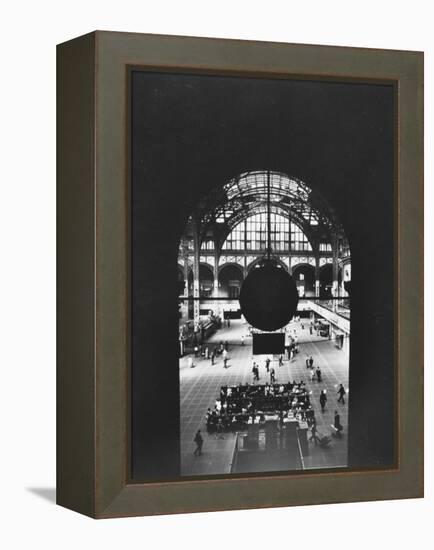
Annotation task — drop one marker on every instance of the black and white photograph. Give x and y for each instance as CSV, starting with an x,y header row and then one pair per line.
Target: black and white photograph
x,y
275,342
216,285
267,205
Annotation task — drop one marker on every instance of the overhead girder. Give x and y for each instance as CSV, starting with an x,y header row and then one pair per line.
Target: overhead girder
x,y
221,210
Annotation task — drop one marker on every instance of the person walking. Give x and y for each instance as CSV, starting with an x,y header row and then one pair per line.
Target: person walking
x,y
255,372
314,435
341,392
267,364
280,360
322,400
272,376
212,356
198,439
318,374
311,362
337,424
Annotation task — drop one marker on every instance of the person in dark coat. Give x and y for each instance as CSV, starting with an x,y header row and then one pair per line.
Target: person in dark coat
x,y
255,372
198,439
318,374
267,364
341,392
337,424
322,400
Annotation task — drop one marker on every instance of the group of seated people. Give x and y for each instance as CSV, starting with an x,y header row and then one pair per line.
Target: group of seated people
x,y
239,406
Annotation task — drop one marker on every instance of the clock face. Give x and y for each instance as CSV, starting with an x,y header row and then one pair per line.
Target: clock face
x,y
268,297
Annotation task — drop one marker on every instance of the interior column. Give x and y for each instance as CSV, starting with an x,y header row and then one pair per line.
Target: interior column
x,y
196,262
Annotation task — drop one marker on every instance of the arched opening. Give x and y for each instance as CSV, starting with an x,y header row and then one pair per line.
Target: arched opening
x,y
325,281
217,180
206,280
230,281
304,276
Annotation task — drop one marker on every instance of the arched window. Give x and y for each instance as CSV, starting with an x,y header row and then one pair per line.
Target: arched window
x,y
251,234
299,241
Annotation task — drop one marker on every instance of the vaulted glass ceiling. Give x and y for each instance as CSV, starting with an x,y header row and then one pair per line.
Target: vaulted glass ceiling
x,y
246,195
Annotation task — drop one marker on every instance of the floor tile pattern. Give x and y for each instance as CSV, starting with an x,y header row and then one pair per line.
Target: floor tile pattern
x,y
200,386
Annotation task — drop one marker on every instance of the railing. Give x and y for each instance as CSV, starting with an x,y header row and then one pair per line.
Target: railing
x,y
333,317
341,307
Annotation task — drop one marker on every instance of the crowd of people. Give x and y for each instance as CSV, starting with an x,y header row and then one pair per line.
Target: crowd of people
x,y
239,405
210,353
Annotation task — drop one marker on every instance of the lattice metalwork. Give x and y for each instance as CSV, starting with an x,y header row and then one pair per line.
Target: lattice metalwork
x,y
220,212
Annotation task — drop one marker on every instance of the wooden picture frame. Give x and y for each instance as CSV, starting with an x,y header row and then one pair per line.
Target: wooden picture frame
x,y
93,379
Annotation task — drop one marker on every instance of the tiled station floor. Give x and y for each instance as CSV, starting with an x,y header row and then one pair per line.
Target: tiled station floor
x,y
200,386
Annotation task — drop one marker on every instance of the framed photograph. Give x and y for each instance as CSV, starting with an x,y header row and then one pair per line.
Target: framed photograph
x,y
240,274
